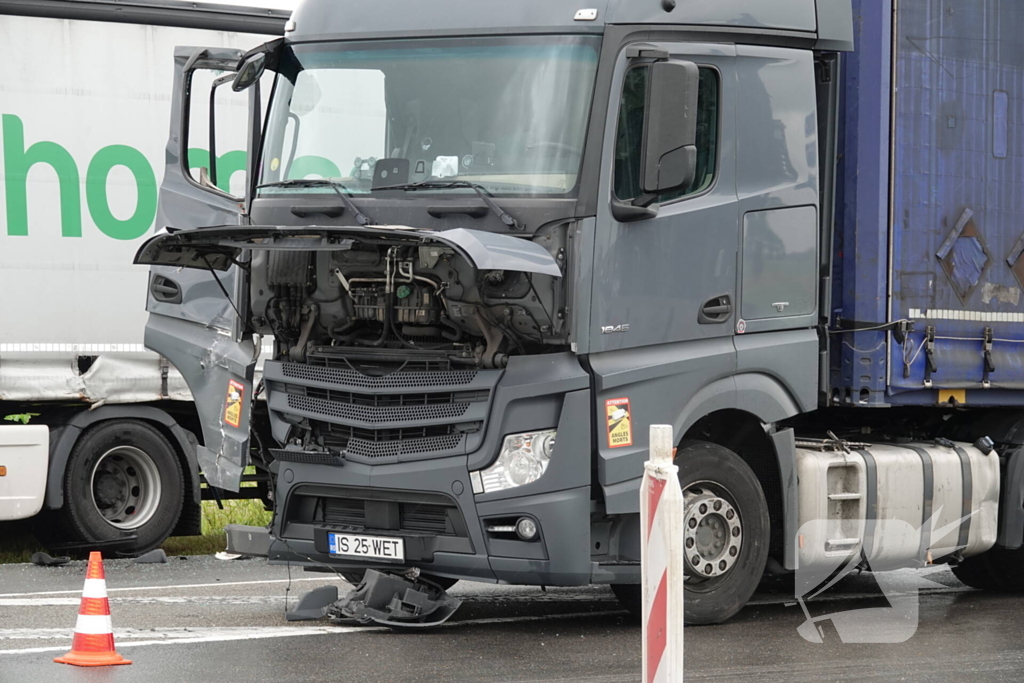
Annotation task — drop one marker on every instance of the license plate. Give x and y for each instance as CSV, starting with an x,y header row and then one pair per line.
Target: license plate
x,y
369,547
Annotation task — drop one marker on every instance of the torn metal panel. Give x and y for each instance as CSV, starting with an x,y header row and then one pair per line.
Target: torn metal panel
x,y
106,378
218,247
219,372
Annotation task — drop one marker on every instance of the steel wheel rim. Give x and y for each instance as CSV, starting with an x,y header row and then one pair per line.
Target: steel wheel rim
x,y
712,534
125,487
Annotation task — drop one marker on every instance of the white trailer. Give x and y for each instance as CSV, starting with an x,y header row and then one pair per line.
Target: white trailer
x,y
108,455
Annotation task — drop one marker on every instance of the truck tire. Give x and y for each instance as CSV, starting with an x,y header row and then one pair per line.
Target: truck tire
x,y
719,480
999,570
122,477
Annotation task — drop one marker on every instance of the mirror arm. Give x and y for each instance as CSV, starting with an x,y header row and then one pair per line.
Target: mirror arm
x,y
628,212
645,200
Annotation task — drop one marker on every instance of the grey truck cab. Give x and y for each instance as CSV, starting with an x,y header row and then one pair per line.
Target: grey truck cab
x,y
492,243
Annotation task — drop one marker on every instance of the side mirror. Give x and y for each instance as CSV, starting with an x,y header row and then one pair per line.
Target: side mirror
x,y
249,72
670,132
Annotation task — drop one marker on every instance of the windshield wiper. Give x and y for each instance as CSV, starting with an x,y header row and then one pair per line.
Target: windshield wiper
x,y
342,191
505,217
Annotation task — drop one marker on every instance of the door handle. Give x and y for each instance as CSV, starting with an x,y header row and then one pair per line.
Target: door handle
x,y
165,290
716,310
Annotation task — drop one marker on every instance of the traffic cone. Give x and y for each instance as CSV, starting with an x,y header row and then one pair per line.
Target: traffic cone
x,y
94,636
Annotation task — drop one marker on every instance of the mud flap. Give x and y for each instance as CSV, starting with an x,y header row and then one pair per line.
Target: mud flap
x,y
395,601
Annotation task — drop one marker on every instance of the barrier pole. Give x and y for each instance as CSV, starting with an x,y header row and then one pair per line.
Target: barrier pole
x,y
661,554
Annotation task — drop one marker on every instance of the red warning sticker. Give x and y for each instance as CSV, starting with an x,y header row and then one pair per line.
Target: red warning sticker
x,y
233,404
620,424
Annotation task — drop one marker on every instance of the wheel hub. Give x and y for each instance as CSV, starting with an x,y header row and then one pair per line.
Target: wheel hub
x,y
126,487
713,534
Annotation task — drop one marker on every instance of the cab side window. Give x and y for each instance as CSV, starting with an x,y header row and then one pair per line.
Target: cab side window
x,y
630,135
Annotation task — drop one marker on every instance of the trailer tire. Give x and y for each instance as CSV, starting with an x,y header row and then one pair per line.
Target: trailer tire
x,y
708,466
123,477
999,570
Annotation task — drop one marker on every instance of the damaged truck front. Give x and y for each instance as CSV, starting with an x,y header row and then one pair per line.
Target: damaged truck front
x,y
492,244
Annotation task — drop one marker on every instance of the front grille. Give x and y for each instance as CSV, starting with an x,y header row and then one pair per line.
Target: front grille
x,y
367,414
398,380
428,519
420,518
373,444
422,409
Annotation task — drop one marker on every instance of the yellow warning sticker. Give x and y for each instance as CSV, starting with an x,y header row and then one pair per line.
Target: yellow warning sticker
x,y
620,425
233,405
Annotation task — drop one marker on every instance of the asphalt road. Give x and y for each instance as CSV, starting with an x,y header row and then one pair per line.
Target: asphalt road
x,y
201,619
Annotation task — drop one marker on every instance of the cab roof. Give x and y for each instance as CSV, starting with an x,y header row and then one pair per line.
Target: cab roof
x,y
829,23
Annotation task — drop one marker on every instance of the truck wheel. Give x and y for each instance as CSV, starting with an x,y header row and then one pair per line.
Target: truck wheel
x,y
122,477
999,570
726,532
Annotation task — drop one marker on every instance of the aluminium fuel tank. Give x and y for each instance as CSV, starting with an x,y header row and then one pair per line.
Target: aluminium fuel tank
x,y
895,504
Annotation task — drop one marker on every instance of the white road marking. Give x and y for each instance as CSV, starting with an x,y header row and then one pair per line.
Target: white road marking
x,y
151,600
171,636
182,585
198,635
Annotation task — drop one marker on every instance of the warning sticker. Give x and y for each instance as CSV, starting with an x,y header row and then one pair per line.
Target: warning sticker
x,y
620,425
233,404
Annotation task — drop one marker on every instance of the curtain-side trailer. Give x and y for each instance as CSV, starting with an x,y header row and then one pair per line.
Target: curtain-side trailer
x,y
107,458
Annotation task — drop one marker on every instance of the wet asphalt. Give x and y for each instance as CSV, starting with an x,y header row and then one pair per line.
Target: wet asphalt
x,y
201,619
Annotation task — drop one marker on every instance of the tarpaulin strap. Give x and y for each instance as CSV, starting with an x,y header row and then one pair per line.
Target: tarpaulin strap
x,y
929,355
899,328
990,366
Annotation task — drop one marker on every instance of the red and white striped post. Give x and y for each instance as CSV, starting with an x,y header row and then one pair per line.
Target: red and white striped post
x,y
661,518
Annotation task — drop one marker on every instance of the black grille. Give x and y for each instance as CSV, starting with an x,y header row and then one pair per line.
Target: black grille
x,y
428,519
344,512
382,443
307,457
422,518
367,414
396,380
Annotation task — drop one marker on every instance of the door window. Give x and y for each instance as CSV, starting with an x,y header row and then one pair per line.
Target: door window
x,y
630,135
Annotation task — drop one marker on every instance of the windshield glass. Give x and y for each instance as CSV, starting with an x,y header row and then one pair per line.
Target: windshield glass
x,y
507,114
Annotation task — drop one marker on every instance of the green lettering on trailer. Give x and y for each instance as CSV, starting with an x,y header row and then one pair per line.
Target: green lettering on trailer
x,y
18,161
139,222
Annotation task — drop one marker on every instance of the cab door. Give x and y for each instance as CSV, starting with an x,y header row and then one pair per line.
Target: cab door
x,y
664,300
196,315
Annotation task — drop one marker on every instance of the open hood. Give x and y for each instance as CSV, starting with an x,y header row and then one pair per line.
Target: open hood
x,y
219,247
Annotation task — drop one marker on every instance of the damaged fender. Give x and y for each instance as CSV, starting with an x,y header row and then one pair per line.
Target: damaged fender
x,y
219,372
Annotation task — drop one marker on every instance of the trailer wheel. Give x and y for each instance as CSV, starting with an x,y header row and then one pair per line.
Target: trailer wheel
x,y
123,477
999,570
726,534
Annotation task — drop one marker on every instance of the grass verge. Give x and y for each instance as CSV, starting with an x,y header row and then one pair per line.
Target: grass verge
x,y
17,543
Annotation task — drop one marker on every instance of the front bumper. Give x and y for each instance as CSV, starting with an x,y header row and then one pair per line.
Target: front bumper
x,y
422,492
430,504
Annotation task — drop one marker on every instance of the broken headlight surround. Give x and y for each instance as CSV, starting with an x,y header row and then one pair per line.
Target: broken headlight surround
x,y
523,459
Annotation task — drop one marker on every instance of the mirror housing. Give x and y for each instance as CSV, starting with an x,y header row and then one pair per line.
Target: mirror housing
x,y
249,72
670,132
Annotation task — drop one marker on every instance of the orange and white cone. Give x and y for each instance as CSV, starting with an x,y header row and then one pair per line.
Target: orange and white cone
x,y
94,636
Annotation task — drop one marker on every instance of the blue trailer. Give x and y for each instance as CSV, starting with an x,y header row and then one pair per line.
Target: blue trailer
x,y
930,220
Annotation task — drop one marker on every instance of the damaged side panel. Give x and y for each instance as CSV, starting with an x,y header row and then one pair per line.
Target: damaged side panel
x,y
219,372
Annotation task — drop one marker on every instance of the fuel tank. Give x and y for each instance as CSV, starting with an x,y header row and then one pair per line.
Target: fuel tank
x,y
895,504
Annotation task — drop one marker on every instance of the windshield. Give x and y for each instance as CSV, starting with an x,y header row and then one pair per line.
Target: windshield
x,y
507,114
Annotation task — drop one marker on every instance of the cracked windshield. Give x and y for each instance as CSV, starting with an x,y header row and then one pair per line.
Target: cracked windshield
x,y
508,115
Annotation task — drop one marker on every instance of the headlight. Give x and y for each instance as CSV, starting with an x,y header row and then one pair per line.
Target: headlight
x,y
523,459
